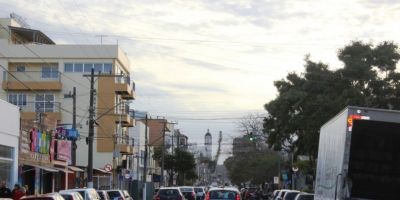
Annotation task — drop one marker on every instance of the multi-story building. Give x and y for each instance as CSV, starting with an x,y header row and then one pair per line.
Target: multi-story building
x,y
38,75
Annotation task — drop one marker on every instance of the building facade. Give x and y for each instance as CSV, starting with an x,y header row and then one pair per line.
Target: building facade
x,y
9,134
38,74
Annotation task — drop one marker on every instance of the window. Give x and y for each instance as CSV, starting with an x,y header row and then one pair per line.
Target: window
x,y
20,68
88,67
107,68
141,157
68,67
17,99
78,67
6,163
98,68
44,103
49,72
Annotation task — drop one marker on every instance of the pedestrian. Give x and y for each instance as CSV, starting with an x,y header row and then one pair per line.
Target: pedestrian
x,y
5,192
17,193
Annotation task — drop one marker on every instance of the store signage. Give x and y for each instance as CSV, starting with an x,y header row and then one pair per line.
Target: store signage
x,y
40,141
63,150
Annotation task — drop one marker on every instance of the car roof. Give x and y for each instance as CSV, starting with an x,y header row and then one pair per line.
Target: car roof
x,y
224,188
41,195
68,192
80,189
166,188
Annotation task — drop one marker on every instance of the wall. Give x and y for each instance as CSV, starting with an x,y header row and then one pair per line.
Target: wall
x,y
9,132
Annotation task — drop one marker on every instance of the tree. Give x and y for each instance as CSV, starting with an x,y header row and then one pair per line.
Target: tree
x,y
306,101
181,162
249,163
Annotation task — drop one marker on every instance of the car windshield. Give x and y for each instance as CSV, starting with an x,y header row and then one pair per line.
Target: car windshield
x,y
169,192
186,189
67,196
306,197
291,195
222,194
198,189
114,194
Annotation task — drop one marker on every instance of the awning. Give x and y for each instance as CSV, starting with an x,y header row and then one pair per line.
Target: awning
x,y
102,170
64,170
50,169
77,169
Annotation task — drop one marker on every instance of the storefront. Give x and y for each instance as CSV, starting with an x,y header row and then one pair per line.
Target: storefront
x,y
9,133
36,169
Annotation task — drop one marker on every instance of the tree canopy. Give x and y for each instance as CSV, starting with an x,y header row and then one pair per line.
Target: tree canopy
x,y
306,101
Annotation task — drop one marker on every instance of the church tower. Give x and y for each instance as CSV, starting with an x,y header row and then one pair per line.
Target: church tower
x,y
208,144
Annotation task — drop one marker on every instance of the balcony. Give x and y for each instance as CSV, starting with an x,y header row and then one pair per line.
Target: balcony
x,y
125,88
31,80
124,145
122,116
29,110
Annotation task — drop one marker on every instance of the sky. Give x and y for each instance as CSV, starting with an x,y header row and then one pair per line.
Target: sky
x,y
207,63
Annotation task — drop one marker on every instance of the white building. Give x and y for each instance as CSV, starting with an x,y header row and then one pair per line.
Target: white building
x,y
9,134
138,133
36,75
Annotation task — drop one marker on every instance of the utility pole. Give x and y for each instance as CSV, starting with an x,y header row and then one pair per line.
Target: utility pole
x,y
92,121
74,147
91,131
145,159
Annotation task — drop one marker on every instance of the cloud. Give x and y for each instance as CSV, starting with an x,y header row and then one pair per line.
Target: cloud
x,y
193,88
211,66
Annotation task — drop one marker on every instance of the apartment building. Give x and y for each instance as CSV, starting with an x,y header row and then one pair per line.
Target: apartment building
x,y
38,75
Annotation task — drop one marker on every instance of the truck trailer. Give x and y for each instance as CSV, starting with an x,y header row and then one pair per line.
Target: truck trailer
x,y
359,155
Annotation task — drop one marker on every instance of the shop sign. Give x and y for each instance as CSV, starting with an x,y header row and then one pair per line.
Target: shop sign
x,y
40,141
63,150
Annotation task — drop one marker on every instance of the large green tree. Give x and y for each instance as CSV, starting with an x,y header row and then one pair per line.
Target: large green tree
x,y
251,162
306,101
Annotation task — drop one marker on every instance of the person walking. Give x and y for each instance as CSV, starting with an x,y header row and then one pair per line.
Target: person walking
x,y
5,192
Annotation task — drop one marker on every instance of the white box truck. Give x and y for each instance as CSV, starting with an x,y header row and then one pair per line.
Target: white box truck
x,y
359,155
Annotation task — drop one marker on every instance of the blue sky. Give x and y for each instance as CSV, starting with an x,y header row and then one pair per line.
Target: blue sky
x,y
210,59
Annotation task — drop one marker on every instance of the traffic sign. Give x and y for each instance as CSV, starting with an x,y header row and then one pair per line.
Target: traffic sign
x,y
108,167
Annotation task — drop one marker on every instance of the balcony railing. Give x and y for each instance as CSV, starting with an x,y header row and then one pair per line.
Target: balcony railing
x,y
41,106
126,80
122,110
32,76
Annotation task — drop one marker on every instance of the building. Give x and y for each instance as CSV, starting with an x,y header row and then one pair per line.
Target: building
x,y
208,144
9,134
38,75
203,156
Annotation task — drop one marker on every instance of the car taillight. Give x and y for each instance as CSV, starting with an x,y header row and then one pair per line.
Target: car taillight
x,y
193,194
237,196
157,198
208,196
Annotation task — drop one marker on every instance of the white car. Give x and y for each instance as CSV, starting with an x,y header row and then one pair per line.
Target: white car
x,y
86,193
70,195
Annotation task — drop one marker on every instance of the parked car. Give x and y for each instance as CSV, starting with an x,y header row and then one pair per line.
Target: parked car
x,y
200,193
48,196
281,193
304,196
274,194
86,193
169,193
188,192
118,195
290,195
70,195
225,193
103,195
